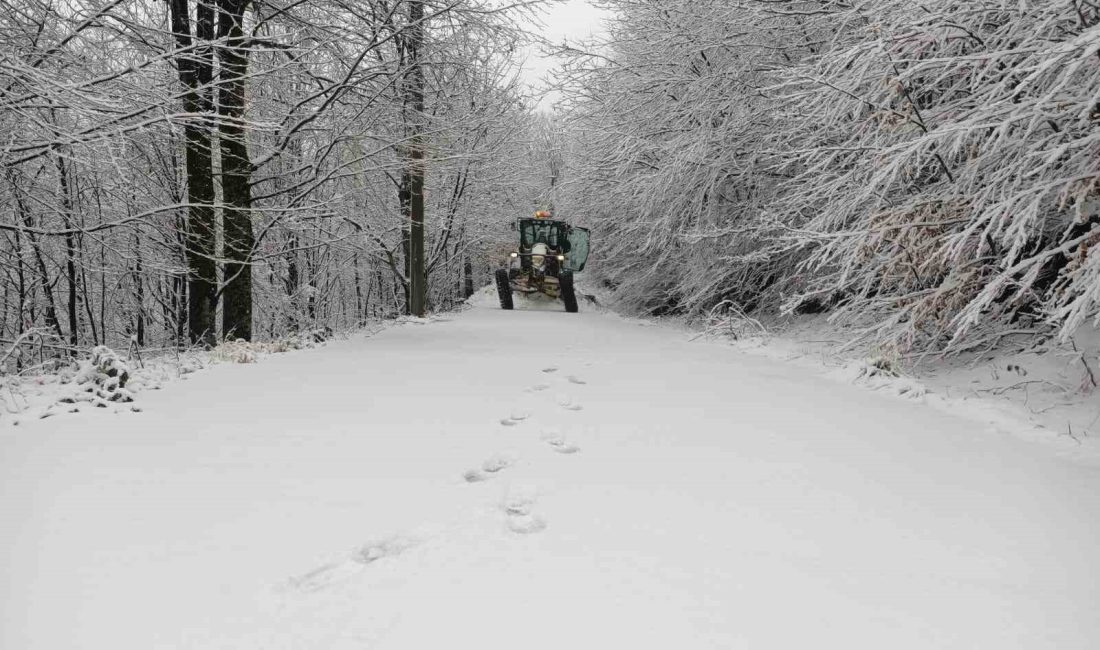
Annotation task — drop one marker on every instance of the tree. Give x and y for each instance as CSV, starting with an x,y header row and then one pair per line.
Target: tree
x,y
416,166
244,161
236,170
195,67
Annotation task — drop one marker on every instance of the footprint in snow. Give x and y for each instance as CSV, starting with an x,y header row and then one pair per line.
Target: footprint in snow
x,y
514,419
387,547
336,572
568,404
497,462
550,369
537,388
558,443
491,466
517,507
321,577
573,379
475,476
526,524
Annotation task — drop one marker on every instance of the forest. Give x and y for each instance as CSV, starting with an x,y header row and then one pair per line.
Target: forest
x,y
927,171
183,172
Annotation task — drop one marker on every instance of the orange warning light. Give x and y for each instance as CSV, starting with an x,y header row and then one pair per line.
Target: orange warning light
x,y
542,214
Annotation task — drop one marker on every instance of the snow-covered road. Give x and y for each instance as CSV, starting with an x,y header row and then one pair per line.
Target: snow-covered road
x,y
506,480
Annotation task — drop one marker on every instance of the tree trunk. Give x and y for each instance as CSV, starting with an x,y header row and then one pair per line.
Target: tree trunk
x,y
406,211
70,248
293,282
468,269
139,291
22,275
236,172
36,249
195,73
358,290
418,277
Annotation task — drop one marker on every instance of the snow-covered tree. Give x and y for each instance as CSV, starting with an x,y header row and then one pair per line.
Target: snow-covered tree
x,y
928,169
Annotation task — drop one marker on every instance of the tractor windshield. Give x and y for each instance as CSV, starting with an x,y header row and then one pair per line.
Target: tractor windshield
x,y
559,237
541,231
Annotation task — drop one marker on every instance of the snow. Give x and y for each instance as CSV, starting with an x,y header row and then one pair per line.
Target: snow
x,y
700,497
1037,390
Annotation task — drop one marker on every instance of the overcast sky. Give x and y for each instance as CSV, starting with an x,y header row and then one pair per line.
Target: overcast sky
x,y
572,20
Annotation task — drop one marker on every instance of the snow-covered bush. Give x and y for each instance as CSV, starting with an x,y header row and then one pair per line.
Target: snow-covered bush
x,y
103,376
881,373
728,319
879,366
189,363
237,351
308,338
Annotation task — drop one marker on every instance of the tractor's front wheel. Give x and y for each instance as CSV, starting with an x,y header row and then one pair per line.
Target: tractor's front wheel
x,y
504,290
568,293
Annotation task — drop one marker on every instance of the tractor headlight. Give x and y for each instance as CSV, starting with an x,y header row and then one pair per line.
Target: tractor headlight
x,y
514,254
561,258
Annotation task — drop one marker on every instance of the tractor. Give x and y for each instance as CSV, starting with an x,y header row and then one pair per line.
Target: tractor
x,y
550,252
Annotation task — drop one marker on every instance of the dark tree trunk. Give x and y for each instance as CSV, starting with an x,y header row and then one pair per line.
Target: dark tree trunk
x,y
414,88
293,282
103,290
44,275
70,248
139,291
85,291
236,172
406,211
468,270
22,275
179,295
358,290
195,73
87,298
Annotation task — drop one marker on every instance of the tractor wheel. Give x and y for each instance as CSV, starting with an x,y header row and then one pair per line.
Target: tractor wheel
x,y
568,294
503,289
